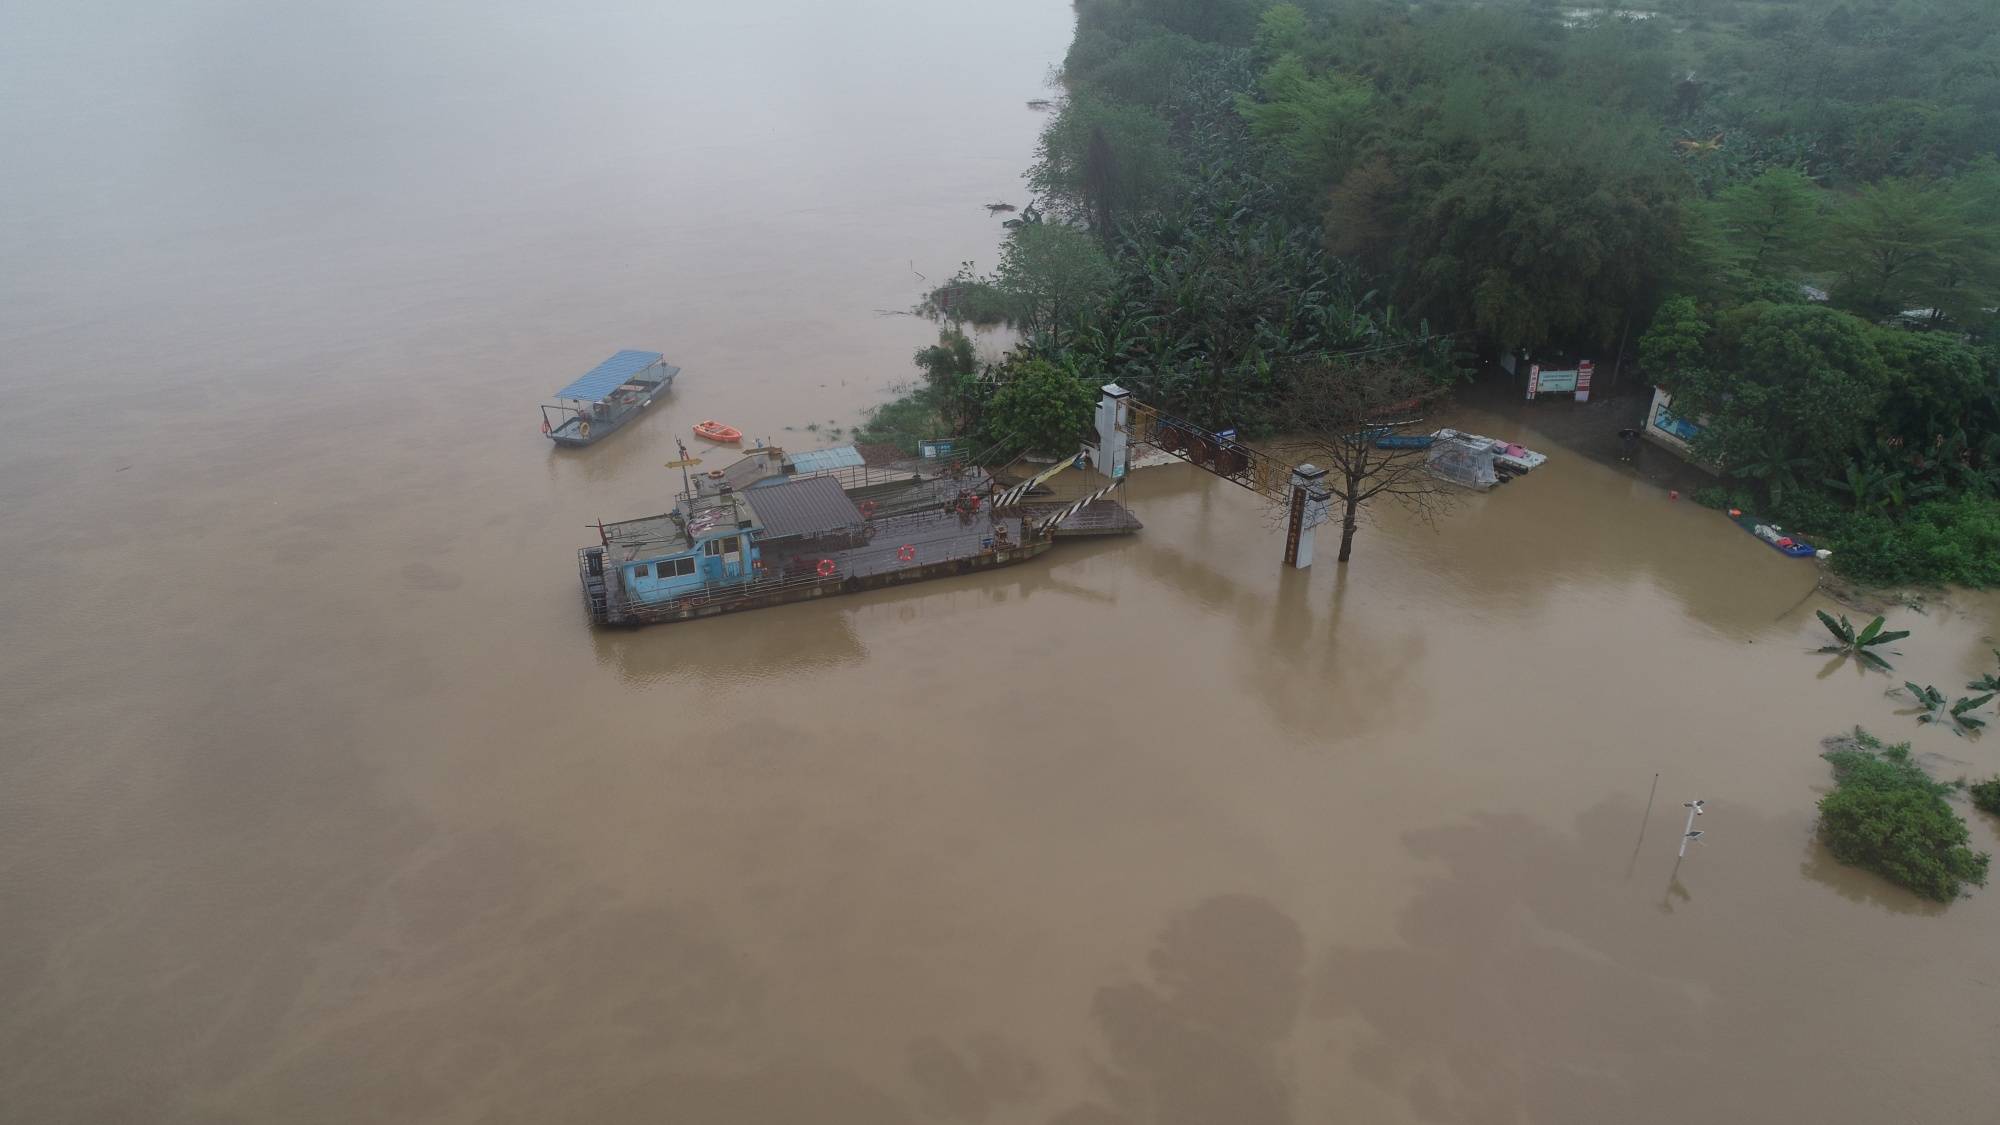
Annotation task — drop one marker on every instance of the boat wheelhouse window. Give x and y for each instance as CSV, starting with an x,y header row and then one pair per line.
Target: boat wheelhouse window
x,y
684,566
640,571
726,545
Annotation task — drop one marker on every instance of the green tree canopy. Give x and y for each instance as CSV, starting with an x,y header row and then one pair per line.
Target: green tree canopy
x,y
1052,273
1323,122
1768,222
1785,382
951,378
1556,229
1677,342
1099,160
1889,242
1938,386
1041,407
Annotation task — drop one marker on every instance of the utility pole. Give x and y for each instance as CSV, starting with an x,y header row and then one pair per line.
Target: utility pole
x,y
687,485
1688,834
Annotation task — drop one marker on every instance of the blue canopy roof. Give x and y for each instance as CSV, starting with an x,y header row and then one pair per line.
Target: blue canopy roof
x,y
609,375
820,460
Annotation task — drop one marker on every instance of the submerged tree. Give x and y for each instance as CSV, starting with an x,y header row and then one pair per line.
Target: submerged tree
x,y
952,380
1052,273
1346,409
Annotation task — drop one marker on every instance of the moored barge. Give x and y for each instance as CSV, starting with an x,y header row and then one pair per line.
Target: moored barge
x,y
761,535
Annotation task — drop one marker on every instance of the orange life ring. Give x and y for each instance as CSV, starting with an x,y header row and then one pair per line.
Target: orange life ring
x,y
826,568
906,552
583,429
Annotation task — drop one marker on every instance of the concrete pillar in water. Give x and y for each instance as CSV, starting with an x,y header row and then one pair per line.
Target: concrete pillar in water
x,y
1114,414
1308,512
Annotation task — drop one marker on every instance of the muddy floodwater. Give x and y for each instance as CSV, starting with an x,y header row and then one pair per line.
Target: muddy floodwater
x,y
320,803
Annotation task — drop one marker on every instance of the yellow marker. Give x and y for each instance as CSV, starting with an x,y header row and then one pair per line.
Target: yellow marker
x,y
683,463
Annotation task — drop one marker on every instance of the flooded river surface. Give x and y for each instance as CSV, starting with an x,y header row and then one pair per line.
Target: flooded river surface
x,y
319,802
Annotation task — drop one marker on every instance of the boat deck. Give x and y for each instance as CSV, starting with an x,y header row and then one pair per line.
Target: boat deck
x,y
933,536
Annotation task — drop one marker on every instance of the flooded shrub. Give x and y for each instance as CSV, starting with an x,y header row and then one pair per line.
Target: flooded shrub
x,y
902,422
1986,795
1888,816
1720,498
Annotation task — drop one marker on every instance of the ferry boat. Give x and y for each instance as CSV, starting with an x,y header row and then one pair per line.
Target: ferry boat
x,y
770,530
599,403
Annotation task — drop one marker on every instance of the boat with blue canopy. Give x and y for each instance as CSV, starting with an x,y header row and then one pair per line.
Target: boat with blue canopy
x,y
609,395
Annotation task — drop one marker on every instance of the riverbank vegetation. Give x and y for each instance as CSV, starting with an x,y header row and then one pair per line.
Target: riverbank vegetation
x,y
1788,213
1888,816
1986,795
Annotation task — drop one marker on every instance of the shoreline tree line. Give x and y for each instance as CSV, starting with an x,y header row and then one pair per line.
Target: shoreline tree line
x,y
1787,213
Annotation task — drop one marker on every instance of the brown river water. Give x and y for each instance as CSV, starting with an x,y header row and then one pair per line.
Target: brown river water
x,y
319,802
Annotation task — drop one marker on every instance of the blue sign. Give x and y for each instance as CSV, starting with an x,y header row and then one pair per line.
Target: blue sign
x,y
1668,422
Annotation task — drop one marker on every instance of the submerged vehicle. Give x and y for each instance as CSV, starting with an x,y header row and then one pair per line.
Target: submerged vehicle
x,y
1511,456
611,394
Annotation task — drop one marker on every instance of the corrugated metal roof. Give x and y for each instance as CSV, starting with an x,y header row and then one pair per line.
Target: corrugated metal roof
x,y
609,375
808,506
820,460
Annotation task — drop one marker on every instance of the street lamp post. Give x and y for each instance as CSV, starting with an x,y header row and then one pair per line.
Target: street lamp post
x,y
1688,833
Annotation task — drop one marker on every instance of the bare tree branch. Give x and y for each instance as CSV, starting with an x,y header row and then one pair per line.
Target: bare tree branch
x,y
1343,410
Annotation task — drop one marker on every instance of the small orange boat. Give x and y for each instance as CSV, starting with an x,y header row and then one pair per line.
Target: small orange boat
x,y
716,431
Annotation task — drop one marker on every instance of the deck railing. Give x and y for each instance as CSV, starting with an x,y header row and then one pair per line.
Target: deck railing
x,y
753,588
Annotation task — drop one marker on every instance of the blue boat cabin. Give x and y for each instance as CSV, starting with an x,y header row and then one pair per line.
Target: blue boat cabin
x,y
662,558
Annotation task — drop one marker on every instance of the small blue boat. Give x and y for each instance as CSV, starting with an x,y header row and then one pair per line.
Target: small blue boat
x,y
608,396
1404,441
1774,537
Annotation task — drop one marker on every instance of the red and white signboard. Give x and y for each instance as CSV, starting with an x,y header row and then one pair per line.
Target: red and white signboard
x,y
1583,380
1534,381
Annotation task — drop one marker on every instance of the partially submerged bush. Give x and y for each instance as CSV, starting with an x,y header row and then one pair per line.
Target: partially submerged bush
x,y
1887,815
1986,795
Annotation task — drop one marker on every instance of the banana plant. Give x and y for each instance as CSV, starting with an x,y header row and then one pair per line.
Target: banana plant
x,y
1860,645
1989,682
1870,487
1956,715
1779,474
